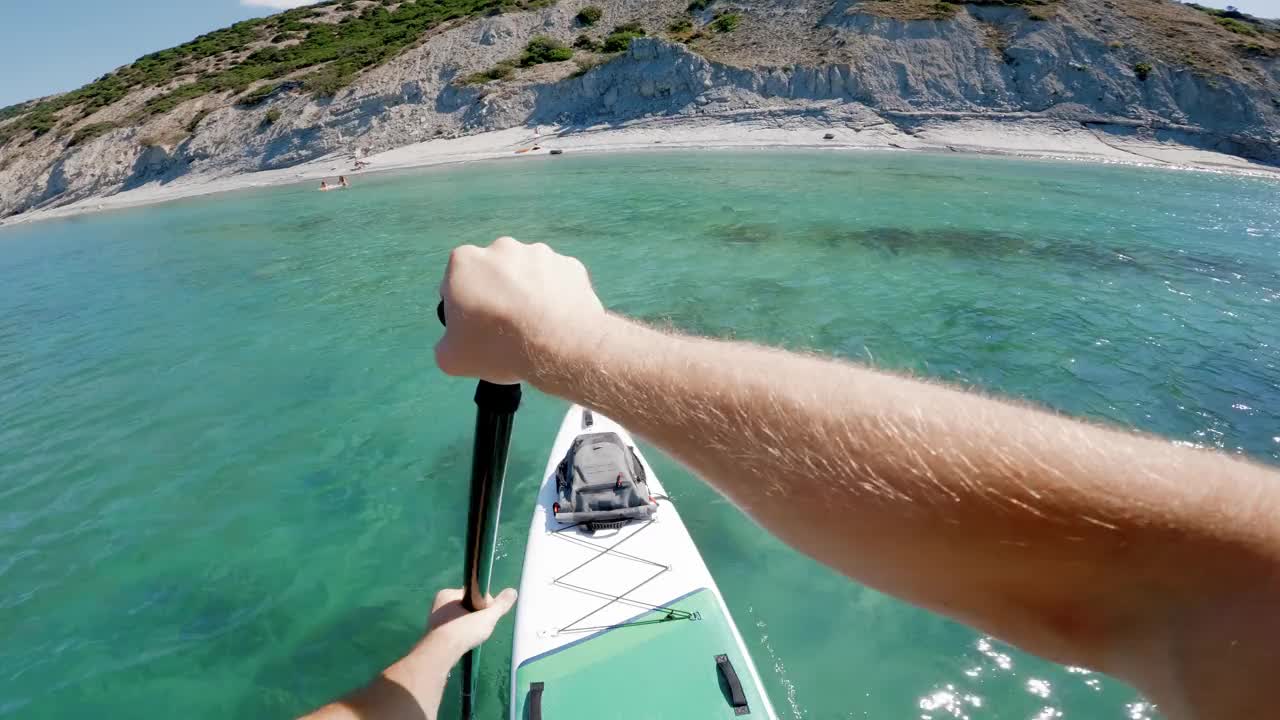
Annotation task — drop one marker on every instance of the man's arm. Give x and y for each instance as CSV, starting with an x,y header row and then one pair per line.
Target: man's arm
x,y
1125,553
411,689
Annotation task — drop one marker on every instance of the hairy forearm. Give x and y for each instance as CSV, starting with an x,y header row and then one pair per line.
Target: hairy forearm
x,y
410,689
1051,533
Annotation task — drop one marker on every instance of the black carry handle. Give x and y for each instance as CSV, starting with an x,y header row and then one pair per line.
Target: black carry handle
x,y
496,407
737,698
533,708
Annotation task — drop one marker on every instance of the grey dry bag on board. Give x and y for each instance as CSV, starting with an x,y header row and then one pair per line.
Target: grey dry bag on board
x,y
601,484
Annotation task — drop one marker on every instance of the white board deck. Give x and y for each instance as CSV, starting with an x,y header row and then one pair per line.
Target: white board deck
x,y
578,587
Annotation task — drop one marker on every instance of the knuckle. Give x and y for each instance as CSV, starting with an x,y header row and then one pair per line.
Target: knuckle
x,y
462,252
506,241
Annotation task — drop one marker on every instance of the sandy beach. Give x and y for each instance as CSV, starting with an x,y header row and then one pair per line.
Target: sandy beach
x,y
1027,138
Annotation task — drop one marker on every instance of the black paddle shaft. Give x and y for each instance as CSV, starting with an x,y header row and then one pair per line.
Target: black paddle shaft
x,y
495,410
496,407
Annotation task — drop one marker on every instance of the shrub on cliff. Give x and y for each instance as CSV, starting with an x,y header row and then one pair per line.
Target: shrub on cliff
x,y
257,95
39,123
1235,26
368,35
947,9
194,122
1232,19
325,82
620,38
502,71
586,65
543,49
726,22
91,131
589,15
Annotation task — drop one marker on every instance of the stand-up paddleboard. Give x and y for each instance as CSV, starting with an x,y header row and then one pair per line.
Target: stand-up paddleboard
x,y
623,623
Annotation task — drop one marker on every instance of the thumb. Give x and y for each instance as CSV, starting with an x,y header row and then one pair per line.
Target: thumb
x,y
479,624
499,606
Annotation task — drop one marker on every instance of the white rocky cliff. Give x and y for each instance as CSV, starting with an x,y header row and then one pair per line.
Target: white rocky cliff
x,y
842,62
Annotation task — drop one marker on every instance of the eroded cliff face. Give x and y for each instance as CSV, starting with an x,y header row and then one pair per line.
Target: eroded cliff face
x,y
851,68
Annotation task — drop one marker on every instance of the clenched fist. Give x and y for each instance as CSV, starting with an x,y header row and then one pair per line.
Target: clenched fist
x,y
509,305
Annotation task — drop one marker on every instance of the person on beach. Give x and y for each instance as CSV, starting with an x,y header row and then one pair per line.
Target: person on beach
x,y
1153,562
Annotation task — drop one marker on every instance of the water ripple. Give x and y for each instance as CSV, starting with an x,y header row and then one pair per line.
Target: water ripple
x,y
225,453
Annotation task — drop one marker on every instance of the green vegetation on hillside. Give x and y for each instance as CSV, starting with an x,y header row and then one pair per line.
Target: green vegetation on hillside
x,y
946,9
619,39
539,50
1230,13
90,131
725,22
680,26
589,15
339,51
194,122
258,94
14,110
1241,23
502,71
1236,26
586,42
543,49
586,65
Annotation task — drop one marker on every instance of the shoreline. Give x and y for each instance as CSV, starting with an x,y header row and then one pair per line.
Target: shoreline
x,y
1022,138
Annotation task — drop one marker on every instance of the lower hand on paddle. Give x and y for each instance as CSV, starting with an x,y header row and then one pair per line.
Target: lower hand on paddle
x,y
453,630
412,687
1124,553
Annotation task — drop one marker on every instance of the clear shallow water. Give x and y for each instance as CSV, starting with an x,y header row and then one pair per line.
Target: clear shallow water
x,y
231,478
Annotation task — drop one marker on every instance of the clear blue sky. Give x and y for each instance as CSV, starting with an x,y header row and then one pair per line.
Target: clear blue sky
x,y
57,45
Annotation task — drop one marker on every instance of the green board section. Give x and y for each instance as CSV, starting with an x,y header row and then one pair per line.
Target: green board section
x,y
650,671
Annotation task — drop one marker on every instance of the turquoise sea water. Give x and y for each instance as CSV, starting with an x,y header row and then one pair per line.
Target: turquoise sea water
x,y
231,478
